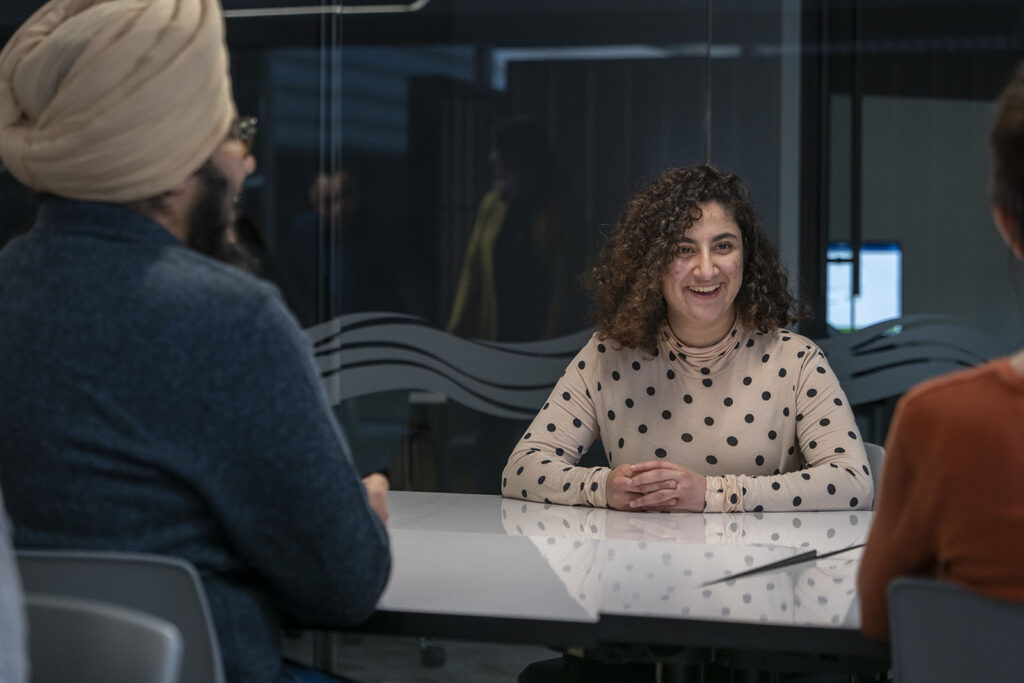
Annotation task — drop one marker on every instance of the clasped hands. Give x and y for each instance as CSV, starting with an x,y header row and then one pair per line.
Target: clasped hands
x,y
655,486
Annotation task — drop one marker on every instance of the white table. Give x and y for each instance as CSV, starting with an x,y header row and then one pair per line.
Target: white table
x,y
489,568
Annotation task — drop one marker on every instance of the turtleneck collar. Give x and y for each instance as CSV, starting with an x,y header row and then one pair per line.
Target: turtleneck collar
x,y
705,360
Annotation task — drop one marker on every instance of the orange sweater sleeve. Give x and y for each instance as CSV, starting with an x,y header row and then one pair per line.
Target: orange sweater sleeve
x,y
902,540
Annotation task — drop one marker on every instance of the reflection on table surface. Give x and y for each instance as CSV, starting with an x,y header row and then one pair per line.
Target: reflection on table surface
x,y
490,556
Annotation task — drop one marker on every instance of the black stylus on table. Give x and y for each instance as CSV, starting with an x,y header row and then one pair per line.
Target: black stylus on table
x,y
795,559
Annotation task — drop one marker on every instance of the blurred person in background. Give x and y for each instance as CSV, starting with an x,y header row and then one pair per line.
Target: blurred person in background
x,y
518,277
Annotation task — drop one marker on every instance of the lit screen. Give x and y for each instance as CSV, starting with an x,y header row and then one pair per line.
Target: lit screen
x,y
881,280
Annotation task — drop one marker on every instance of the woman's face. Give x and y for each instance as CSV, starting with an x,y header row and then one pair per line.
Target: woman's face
x,y
704,278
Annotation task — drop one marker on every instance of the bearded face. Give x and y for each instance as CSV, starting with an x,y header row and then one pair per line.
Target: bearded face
x,y
210,218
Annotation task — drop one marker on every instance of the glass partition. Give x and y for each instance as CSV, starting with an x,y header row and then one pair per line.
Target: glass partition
x,y
905,94
433,183
433,179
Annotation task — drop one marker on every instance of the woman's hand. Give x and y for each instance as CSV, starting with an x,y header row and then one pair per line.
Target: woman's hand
x,y
377,486
657,485
619,496
640,527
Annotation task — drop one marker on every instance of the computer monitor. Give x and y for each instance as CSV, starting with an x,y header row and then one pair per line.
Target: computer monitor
x,y
881,285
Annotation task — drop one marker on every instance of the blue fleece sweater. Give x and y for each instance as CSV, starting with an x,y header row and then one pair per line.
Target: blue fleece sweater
x,y
153,399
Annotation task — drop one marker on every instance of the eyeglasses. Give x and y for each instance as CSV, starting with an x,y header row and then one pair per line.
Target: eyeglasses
x,y
244,130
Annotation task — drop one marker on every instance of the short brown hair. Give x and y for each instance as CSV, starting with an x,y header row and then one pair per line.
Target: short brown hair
x,y
626,280
1007,144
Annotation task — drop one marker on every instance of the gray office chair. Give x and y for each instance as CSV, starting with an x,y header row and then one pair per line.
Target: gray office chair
x,y
943,633
160,585
93,642
876,454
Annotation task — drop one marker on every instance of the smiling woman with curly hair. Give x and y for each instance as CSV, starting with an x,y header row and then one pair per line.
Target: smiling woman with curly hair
x,y
626,282
702,398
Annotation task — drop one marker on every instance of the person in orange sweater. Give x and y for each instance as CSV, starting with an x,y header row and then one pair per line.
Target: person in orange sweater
x,y
949,504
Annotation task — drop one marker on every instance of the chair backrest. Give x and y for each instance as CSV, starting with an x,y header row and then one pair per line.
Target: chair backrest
x,y
876,454
160,585
944,633
85,641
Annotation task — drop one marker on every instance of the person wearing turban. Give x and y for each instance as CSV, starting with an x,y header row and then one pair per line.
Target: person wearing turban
x,y
155,399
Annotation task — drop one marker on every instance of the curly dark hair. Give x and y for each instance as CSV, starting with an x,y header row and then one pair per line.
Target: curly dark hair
x,y
625,282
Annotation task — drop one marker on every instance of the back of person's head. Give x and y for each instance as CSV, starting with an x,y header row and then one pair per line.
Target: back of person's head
x,y
1007,146
114,100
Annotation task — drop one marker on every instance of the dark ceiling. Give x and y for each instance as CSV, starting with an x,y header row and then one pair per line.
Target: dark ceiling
x,y
966,27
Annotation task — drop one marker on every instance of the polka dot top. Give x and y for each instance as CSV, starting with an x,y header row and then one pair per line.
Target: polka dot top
x,y
762,415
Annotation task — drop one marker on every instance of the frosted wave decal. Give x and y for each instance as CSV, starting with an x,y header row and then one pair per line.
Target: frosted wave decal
x,y
888,358
366,353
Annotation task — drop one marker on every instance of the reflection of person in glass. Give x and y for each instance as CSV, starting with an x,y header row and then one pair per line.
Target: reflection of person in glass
x,y
358,259
950,504
702,399
518,253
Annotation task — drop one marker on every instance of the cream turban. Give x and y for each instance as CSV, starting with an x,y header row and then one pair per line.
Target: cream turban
x,y
114,100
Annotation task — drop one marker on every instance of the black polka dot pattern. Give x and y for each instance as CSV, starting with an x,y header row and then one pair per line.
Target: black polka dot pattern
x,y
741,393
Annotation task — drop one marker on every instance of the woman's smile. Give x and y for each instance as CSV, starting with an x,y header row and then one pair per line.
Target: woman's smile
x,y
704,278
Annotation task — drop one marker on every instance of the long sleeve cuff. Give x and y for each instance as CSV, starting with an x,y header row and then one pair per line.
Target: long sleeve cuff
x,y
723,494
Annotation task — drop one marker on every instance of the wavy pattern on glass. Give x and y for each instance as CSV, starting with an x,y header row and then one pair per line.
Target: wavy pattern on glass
x,y
886,359
366,353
